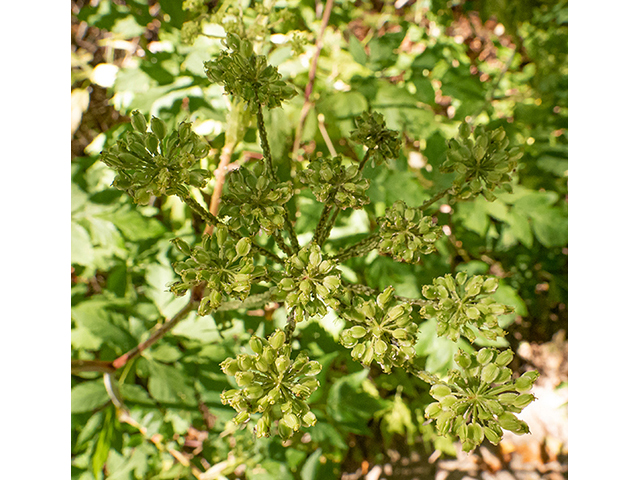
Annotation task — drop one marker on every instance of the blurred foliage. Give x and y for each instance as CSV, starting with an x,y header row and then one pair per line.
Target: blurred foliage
x,y
426,66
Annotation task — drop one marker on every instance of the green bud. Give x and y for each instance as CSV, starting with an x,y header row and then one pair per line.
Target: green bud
x,y
256,344
433,410
380,347
525,382
463,359
242,417
489,373
484,356
158,127
276,340
357,331
138,121
263,428
282,364
490,285
504,358
243,247
309,419
523,400
439,391
493,433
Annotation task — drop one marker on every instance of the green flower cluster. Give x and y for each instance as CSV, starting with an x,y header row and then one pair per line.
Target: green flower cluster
x,y
223,264
152,163
270,383
254,201
333,182
310,284
406,233
483,163
247,75
459,303
372,132
381,332
480,399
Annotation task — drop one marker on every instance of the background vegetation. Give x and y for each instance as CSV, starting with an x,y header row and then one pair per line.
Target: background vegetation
x,y
426,65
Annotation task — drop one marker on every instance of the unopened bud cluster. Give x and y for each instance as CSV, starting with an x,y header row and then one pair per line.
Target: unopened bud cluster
x,y
154,163
382,332
310,283
462,302
406,233
332,181
481,161
480,399
372,132
254,201
247,75
272,384
223,264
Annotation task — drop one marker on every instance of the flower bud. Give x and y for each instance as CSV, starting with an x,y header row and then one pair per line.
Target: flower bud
x,y
158,127
504,358
276,340
138,121
525,382
309,419
484,356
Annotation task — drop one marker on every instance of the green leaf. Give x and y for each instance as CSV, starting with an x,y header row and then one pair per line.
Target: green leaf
x,y
81,246
520,228
104,324
88,396
103,445
550,227
357,51
169,384
350,406
311,467
134,225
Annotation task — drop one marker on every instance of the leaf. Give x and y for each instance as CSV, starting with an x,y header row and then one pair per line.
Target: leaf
x,y
81,246
104,324
170,385
357,50
438,350
310,468
550,227
103,445
520,228
351,407
88,396
134,225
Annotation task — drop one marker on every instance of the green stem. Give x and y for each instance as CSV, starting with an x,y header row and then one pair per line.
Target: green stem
x,y
362,247
290,327
329,227
364,289
364,160
324,216
423,375
266,150
434,199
